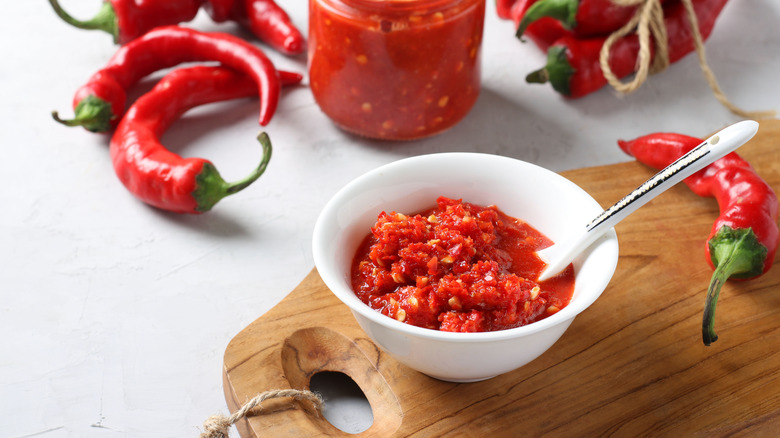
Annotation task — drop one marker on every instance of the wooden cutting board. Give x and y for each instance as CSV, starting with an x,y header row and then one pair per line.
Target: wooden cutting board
x,y
632,364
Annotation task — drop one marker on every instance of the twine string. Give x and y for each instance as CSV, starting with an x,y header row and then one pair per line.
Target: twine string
x,y
647,22
218,426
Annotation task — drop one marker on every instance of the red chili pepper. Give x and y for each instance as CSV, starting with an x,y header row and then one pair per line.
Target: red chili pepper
x,y
573,67
504,8
162,178
264,18
127,20
744,239
100,103
584,17
269,22
543,32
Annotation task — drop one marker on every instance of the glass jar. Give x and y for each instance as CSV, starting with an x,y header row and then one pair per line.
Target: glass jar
x,y
395,69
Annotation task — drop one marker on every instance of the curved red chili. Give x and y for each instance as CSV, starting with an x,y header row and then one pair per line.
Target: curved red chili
x,y
745,237
100,103
270,23
573,68
127,20
160,177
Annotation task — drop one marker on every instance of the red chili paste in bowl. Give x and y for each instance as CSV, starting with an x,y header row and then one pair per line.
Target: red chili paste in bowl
x,y
458,267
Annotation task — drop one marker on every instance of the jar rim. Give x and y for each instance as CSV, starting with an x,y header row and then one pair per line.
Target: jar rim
x,y
402,5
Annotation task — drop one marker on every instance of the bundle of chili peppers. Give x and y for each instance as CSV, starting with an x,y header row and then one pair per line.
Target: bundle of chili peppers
x,y
573,32
127,20
148,170
744,238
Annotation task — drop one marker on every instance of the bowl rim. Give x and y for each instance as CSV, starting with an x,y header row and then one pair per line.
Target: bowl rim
x,y
351,300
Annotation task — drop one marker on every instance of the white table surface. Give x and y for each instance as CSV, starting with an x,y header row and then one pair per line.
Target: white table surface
x,y
114,316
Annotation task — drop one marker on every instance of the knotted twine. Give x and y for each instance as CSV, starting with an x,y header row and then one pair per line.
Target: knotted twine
x,y
218,426
649,22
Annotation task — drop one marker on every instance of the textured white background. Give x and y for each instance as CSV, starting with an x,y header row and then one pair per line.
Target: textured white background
x,y
114,316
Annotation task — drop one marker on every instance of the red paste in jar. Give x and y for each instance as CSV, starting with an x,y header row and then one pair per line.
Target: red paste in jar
x,y
458,267
395,69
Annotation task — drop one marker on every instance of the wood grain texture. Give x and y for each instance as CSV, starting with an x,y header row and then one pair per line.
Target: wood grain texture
x,y
632,364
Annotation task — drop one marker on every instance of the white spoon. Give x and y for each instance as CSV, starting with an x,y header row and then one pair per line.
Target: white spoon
x,y
559,255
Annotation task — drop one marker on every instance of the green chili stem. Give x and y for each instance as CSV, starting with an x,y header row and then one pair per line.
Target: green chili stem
x,y
736,253
558,71
105,20
237,186
721,274
211,187
93,113
538,76
67,122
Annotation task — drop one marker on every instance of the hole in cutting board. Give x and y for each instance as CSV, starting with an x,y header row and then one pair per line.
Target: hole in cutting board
x,y
313,350
345,405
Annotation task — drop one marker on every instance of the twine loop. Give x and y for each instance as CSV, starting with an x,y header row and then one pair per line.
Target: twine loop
x,y
648,22
218,426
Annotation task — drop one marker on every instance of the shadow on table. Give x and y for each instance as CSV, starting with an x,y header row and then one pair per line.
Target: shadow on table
x,y
496,125
218,223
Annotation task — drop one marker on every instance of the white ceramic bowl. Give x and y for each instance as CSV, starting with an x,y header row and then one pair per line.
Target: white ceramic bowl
x,y
545,200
